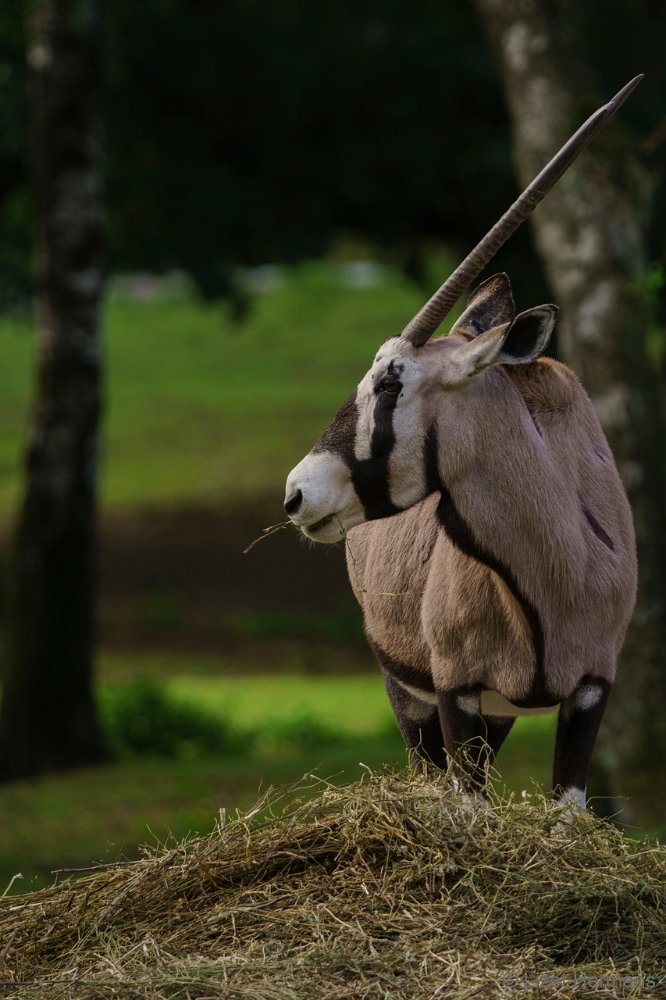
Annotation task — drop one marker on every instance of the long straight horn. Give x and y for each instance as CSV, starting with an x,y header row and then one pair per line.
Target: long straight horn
x,y
428,318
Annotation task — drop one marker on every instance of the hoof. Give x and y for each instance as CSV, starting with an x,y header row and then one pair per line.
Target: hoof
x,y
571,804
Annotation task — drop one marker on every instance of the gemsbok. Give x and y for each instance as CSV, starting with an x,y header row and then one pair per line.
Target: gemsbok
x,y
489,539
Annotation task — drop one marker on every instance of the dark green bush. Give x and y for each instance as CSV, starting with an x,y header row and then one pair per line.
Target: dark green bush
x,y
141,719
343,626
301,731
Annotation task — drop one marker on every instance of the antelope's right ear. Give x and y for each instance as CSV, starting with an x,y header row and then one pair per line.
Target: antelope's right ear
x,y
489,305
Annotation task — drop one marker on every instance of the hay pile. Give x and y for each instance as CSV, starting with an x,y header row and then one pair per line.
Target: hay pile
x,y
385,888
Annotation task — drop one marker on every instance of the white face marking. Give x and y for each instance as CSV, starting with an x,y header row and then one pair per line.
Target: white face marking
x,y
327,491
365,405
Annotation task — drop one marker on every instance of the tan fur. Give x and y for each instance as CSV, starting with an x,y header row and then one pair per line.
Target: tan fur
x,y
515,615
521,451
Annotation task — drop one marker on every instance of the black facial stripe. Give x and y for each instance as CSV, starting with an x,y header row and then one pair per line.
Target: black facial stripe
x,y
370,480
382,442
370,476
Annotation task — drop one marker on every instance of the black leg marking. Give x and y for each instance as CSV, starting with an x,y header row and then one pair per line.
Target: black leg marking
x,y
471,740
497,730
577,728
418,722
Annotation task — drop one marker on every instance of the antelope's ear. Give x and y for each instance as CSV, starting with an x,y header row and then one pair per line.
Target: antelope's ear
x,y
489,305
528,335
514,343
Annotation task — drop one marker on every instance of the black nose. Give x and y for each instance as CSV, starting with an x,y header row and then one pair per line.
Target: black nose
x,y
293,503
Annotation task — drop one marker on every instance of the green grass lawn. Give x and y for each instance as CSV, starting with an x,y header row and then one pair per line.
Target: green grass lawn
x,y
354,707
202,408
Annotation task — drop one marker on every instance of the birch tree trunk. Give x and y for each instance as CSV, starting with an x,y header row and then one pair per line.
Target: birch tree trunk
x,y
591,234
47,715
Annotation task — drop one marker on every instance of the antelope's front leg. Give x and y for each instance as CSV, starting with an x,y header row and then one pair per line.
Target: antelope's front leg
x,y
419,725
577,727
471,739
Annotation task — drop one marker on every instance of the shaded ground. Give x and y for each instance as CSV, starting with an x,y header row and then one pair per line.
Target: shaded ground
x,y
178,579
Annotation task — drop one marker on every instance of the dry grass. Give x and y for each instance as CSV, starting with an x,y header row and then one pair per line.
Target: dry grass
x,y
385,888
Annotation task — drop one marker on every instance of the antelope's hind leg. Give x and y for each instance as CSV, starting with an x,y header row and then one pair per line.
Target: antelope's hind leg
x,y
418,721
472,740
577,727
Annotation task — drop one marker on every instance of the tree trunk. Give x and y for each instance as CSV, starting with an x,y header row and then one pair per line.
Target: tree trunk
x,y
591,232
47,716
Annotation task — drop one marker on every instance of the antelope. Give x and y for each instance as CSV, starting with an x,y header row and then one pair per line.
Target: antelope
x,y
489,540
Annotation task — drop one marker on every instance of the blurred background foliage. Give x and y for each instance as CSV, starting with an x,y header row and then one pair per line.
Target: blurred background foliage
x,y
284,181
251,132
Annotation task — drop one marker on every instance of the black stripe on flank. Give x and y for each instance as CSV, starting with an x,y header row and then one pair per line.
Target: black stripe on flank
x,y
407,675
462,536
602,535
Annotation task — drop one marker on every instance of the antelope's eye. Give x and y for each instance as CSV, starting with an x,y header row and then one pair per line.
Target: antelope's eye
x,y
391,386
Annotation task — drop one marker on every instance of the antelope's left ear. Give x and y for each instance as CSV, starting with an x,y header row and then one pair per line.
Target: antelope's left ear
x,y
528,335
514,343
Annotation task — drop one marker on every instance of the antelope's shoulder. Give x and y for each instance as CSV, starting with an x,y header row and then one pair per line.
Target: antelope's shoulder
x,y
548,387
388,559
